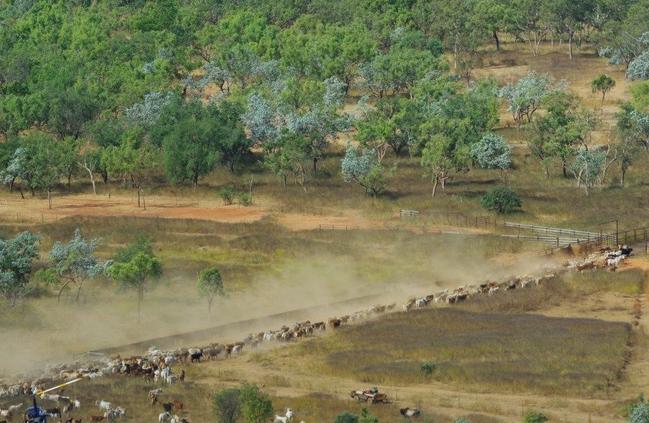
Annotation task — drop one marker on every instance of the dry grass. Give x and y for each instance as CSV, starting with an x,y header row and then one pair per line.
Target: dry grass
x,y
490,343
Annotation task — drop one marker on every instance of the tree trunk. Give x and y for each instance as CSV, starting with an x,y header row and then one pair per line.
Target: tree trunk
x,y
435,186
49,198
570,39
69,181
497,40
315,166
79,286
140,297
138,197
622,178
58,296
209,304
564,168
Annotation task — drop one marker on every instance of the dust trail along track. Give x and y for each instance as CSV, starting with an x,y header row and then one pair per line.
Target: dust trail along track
x,y
187,338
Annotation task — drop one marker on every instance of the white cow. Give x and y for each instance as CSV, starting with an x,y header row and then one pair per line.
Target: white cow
x,y
286,418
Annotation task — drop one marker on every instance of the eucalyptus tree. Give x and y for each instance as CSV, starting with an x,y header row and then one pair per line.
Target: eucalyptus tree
x,y
75,262
134,267
492,152
602,84
210,285
588,168
17,257
527,95
361,165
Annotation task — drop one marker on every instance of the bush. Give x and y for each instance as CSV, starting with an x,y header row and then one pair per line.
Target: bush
x,y
366,417
462,420
346,417
502,200
226,406
256,406
227,194
428,368
535,417
638,411
245,199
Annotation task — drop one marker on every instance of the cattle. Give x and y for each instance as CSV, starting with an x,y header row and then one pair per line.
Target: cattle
x,y
195,357
153,395
9,412
103,405
286,418
182,375
421,302
409,412
334,323
165,417
97,418
53,412
212,352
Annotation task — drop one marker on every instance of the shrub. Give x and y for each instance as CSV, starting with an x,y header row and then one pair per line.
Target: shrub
x,y
227,194
245,199
366,417
256,406
226,406
535,417
638,411
428,368
502,200
346,417
462,420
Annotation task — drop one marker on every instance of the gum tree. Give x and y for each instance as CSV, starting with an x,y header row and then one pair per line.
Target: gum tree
x,y
17,257
210,285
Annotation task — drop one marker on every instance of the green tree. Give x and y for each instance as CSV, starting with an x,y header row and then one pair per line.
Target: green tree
x,y
133,162
133,267
226,405
256,406
210,284
602,84
43,163
16,263
561,131
502,200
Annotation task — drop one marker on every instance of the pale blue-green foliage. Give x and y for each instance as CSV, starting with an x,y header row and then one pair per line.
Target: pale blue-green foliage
x,y
527,94
213,74
639,67
492,152
76,259
148,111
639,413
462,420
334,92
260,118
357,163
588,166
16,167
16,260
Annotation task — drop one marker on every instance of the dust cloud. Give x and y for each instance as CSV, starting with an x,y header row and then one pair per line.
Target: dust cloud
x,y
309,286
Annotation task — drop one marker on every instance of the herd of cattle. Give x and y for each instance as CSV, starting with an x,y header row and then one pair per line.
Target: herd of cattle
x,y
156,365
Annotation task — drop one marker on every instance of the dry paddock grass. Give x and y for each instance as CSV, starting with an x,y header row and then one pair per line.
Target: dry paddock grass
x,y
503,343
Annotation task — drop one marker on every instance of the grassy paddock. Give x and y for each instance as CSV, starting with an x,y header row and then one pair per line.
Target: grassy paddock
x,y
490,343
520,352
